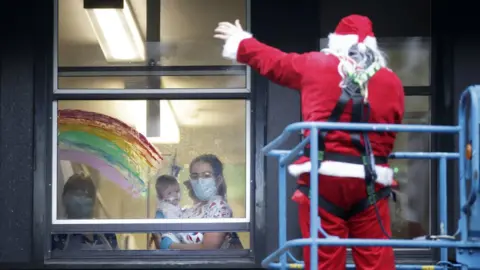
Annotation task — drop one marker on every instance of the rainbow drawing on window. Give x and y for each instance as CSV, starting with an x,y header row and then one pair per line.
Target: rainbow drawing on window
x,y
116,150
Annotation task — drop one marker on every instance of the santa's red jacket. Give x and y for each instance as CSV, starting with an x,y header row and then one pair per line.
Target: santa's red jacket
x,y
316,76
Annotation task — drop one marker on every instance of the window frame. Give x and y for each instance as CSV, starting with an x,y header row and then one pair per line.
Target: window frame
x,y
49,148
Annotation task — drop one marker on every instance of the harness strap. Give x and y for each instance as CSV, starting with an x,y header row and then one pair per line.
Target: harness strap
x,y
358,113
345,214
355,90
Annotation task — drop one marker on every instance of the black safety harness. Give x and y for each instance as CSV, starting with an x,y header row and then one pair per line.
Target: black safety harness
x,y
360,114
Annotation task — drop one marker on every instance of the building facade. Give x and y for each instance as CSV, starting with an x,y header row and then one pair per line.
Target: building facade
x,y
79,84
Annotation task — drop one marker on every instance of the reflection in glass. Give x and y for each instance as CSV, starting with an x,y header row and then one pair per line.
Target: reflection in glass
x,y
119,241
106,37
410,214
77,242
408,57
120,146
144,82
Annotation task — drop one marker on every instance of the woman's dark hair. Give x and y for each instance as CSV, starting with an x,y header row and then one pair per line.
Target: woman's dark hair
x,y
217,167
79,183
212,160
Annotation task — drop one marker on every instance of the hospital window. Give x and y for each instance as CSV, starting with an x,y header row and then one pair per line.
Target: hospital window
x,y
407,46
146,111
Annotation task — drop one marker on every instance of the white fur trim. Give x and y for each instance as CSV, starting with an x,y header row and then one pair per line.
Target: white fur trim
x,y
230,48
342,43
342,169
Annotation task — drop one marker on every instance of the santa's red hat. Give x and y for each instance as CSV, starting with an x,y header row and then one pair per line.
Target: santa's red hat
x,y
351,30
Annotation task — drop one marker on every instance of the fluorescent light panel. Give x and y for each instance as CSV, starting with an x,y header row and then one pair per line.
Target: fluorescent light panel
x,y
169,129
117,33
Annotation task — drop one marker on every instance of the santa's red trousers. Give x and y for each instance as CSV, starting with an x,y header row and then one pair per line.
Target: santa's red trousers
x,y
345,192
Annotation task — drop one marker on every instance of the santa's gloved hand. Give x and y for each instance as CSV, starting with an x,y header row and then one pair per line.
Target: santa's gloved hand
x,y
225,30
233,35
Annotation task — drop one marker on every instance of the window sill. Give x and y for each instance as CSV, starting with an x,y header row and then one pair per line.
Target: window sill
x,y
150,263
151,254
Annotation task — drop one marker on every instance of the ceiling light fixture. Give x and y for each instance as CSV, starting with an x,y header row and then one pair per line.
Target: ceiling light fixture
x,y
117,33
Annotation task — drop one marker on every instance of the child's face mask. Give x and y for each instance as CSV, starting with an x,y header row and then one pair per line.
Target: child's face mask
x,y
78,206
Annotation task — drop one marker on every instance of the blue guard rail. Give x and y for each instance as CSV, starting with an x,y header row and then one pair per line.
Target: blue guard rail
x,y
466,240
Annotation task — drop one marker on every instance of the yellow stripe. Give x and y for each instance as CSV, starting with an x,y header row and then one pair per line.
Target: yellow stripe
x,y
295,266
428,267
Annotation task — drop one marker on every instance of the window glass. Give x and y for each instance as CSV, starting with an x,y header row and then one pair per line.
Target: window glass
x,y
132,241
411,214
408,57
179,33
142,82
146,159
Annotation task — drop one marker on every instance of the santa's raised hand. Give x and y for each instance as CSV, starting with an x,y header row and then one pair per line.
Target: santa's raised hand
x,y
232,34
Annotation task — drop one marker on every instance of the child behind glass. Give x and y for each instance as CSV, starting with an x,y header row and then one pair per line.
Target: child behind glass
x,y
168,197
168,206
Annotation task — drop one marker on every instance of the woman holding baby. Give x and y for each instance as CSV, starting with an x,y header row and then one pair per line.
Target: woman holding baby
x,y
207,189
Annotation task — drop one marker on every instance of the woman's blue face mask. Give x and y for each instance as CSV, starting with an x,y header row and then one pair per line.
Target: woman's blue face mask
x,y
204,188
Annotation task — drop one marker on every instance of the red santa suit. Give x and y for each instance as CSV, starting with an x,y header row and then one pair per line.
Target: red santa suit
x,y
318,75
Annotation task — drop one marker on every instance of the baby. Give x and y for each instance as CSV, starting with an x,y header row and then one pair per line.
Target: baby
x,y
168,197
168,206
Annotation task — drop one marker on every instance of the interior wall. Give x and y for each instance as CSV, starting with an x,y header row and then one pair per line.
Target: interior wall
x,y
206,126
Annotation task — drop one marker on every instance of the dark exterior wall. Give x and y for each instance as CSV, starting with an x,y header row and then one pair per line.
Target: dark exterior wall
x,y
25,78
16,132
390,18
465,44
465,73
291,29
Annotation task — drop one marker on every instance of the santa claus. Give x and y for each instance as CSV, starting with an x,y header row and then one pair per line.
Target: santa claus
x,y
347,82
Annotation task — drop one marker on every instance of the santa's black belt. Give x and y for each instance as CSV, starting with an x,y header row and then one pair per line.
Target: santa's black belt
x,y
357,208
346,158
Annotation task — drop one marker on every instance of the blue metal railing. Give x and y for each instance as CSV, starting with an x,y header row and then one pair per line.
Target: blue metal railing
x,y
469,98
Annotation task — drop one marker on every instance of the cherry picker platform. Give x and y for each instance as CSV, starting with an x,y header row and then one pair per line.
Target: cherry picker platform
x,y
465,239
